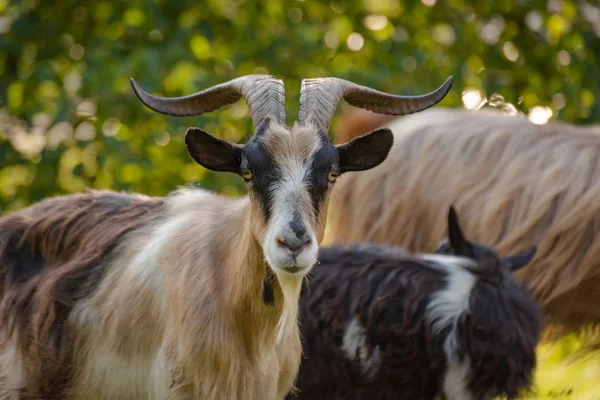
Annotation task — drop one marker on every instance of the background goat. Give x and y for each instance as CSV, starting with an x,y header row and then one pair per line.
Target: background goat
x,y
380,323
515,183
109,295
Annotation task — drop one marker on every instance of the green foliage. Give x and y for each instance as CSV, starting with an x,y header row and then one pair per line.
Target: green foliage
x,y
69,119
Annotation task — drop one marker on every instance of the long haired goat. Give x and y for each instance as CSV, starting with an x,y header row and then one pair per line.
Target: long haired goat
x,y
116,296
515,183
380,324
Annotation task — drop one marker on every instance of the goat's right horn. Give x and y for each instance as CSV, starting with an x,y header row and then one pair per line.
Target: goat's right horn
x,y
264,94
319,98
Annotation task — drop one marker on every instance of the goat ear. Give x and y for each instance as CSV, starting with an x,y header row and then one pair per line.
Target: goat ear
x,y
520,260
457,240
213,153
365,152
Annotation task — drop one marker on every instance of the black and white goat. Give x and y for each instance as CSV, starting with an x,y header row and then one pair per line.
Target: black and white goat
x,y
380,323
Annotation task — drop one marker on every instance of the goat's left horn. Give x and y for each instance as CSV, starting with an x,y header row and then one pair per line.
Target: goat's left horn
x,y
319,98
264,94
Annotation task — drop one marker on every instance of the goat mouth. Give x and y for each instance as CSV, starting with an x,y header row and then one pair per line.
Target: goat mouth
x,y
292,269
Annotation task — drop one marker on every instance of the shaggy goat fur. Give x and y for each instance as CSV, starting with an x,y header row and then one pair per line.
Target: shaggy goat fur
x,y
379,323
83,286
515,183
53,255
110,295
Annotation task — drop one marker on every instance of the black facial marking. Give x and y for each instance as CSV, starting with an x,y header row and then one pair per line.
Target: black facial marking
x,y
324,161
264,173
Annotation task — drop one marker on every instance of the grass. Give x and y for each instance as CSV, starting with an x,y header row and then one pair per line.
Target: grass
x,y
559,375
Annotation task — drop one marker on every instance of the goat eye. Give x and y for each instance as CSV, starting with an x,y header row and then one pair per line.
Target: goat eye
x,y
332,176
246,174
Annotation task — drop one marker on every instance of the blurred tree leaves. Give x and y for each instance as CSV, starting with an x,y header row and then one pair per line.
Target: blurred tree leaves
x,y
69,119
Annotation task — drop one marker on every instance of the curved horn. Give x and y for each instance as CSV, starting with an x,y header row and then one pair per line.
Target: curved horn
x,y
319,98
264,95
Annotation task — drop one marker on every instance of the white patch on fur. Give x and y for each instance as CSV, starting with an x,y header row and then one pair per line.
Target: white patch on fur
x,y
118,376
11,372
448,262
355,345
146,264
446,305
444,309
455,382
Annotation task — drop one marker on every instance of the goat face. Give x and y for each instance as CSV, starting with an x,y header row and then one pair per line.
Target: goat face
x,y
289,174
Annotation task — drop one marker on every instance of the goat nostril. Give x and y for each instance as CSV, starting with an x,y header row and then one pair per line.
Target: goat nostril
x,y
281,243
306,243
294,248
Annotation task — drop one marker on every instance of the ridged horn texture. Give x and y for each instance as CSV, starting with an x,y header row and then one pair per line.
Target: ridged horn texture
x,y
264,94
319,98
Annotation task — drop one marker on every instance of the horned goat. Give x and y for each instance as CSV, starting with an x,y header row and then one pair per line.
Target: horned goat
x,y
119,296
516,183
380,323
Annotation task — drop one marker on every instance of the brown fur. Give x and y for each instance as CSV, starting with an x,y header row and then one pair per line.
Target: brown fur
x,y
116,296
72,235
515,183
92,305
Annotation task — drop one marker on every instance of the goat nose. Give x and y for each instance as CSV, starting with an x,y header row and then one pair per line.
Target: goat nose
x,y
299,230
293,244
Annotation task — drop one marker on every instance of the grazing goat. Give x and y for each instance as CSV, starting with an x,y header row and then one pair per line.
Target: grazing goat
x,y
516,183
117,296
379,323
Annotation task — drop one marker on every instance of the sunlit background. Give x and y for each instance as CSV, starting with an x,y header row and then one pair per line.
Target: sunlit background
x,y
69,119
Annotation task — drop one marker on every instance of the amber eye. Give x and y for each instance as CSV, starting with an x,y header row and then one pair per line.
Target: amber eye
x,y
246,174
332,176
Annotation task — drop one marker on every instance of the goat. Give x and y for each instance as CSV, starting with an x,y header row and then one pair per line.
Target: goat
x,y
516,182
380,323
118,296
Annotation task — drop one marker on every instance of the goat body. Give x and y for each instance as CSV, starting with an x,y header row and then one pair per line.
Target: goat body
x,y
116,295
379,323
515,182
